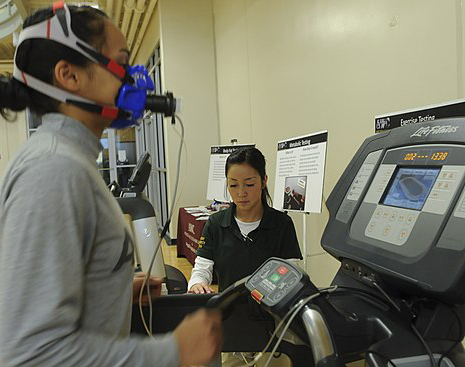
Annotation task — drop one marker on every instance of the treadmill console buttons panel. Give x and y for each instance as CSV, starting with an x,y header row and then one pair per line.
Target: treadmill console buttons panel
x,y
412,190
357,186
460,208
444,189
390,224
273,282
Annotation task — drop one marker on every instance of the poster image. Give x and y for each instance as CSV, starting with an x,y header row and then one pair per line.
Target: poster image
x,y
294,192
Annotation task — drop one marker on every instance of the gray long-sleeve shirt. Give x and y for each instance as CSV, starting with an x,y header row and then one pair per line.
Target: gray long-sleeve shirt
x,y
66,260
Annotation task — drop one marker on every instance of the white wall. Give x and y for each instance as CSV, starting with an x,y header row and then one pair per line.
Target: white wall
x,y
188,63
291,67
12,135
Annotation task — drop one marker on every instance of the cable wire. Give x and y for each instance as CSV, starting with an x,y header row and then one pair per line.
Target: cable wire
x,y
146,282
294,314
293,309
425,345
364,293
415,330
382,356
456,342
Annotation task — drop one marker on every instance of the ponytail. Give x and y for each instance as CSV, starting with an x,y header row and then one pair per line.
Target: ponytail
x,y
14,96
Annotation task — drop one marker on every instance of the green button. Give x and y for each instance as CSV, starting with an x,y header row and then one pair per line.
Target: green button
x,y
275,278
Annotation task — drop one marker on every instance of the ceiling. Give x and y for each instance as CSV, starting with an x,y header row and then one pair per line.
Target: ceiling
x,y
132,17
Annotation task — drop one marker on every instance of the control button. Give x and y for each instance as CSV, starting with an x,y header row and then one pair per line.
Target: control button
x,y
386,214
451,176
267,267
401,217
387,230
403,234
434,194
446,185
410,219
378,212
439,184
444,174
278,296
256,295
371,226
282,270
268,285
275,278
292,281
393,216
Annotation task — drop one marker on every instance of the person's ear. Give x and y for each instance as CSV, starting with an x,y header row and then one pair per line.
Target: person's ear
x,y
68,76
265,180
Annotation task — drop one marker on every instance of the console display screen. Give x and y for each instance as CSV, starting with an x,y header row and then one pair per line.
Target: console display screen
x,y
410,187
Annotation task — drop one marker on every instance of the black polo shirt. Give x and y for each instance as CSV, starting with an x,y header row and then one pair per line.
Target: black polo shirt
x,y
235,256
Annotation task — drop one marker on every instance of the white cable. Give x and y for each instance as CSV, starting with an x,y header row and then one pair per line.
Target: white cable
x,y
146,283
301,305
185,151
293,310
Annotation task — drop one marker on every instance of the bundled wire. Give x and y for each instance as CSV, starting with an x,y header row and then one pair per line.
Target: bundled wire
x,y
146,283
291,314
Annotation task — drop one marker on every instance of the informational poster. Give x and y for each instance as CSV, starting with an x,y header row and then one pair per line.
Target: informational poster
x,y
417,115
216,177
300,169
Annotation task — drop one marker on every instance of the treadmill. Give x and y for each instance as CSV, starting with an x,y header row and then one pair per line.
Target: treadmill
x,y
133,202
397,225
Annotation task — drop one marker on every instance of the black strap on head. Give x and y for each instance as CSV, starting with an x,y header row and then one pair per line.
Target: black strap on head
x,y
59,11
116,69
104,111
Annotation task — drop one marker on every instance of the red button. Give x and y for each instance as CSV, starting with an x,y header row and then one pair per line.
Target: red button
x,y
282,270
256,295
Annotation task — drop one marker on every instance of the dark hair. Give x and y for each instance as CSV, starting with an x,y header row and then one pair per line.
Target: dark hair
x,y
254,158
38,58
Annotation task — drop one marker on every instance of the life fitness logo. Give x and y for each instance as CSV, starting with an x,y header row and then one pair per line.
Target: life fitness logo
x,y
433,130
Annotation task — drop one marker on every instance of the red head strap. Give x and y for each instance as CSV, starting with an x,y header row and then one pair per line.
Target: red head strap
x,y
58,5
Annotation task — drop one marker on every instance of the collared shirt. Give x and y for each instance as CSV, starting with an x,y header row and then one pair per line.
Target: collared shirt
x,y
235,256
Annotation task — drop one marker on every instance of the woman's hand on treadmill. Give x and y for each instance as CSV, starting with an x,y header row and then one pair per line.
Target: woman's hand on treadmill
x,y
155,288
199,337
200,288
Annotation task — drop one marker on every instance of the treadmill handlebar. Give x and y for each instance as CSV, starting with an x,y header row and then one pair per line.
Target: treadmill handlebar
x,y
321,343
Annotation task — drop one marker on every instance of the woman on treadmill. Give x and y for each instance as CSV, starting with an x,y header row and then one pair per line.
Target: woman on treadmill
x,y
66,252
239,239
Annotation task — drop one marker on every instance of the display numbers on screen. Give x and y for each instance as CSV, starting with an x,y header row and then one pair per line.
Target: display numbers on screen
x,y
410,156
439,156
425,155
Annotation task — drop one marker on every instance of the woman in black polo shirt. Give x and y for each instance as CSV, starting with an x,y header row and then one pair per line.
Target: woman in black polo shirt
x,y
239,239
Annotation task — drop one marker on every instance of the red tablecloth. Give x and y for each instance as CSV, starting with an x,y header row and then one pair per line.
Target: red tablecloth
x,y
189,232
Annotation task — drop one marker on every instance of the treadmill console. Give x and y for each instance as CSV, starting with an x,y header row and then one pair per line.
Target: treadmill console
x,y
398,211
277,283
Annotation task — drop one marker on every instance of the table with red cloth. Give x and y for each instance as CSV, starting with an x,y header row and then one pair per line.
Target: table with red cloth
x,y
190,227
